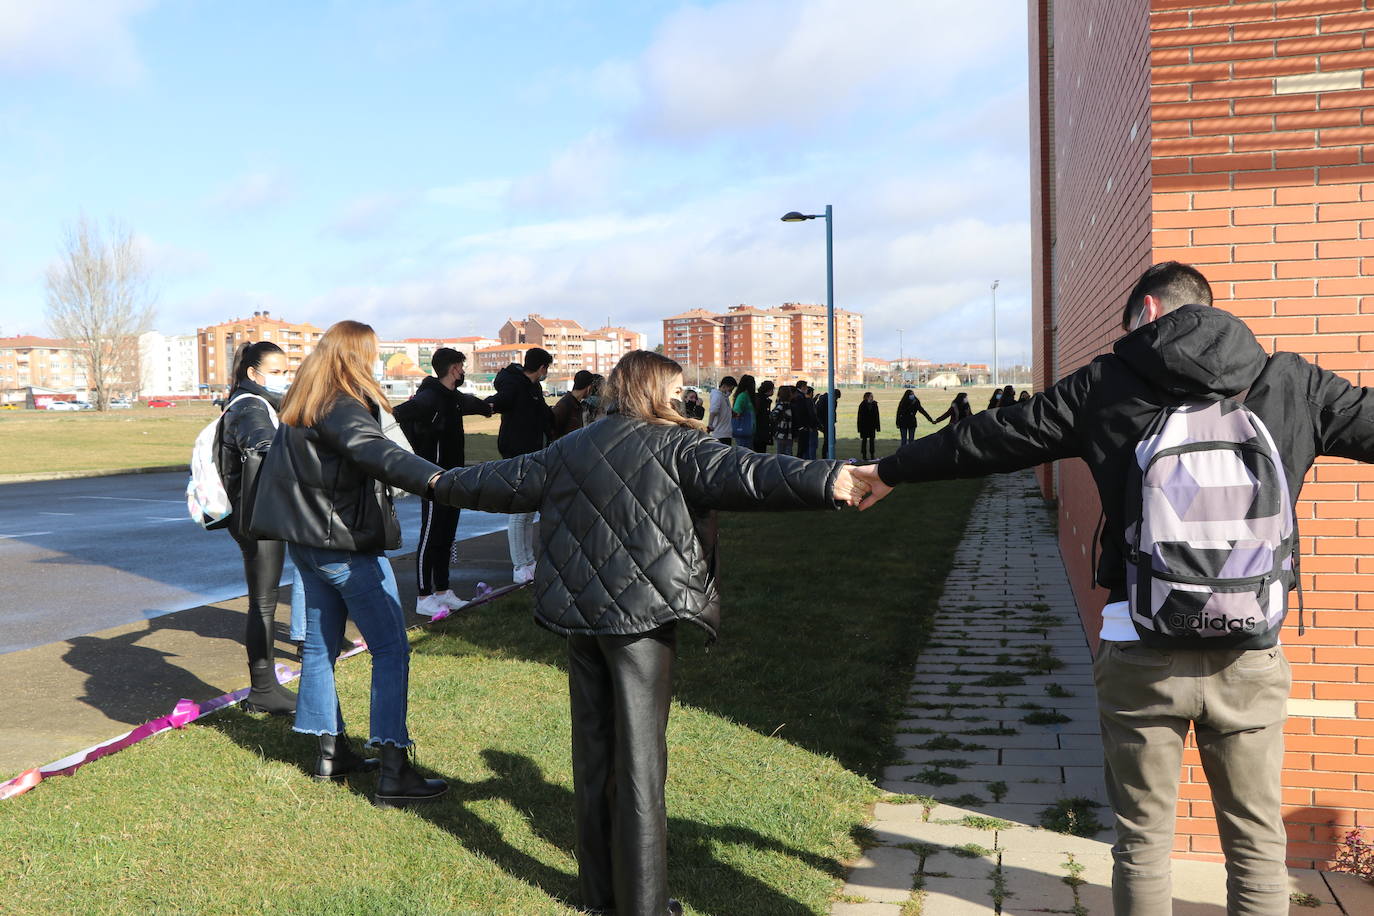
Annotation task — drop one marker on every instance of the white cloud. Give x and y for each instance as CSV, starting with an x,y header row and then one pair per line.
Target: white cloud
x,y
89,38
367,216
579,175
166,260
253,191
755,64
490,194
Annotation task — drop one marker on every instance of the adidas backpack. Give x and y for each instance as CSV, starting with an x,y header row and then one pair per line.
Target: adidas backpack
x,y
206,499
1211,540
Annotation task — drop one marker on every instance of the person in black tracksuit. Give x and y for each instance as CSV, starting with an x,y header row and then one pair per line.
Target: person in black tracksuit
x,y
432,421
1179,350
636,485
248,425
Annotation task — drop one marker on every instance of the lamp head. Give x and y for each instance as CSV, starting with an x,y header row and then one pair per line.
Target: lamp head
x,y
795,217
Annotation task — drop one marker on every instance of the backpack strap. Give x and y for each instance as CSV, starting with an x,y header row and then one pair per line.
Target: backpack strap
x,y
271,411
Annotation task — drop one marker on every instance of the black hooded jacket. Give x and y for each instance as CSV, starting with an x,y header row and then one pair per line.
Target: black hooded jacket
x,y
526,418
1100,412
432,421
623,504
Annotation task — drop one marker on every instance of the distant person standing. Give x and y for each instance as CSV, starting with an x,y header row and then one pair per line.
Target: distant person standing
x,y
1008,397
567,413
432,421
827,407
869,426
720,419
780,419
959,409
996,400
804,421
742,412
763,427
1025,396
907,408
526,422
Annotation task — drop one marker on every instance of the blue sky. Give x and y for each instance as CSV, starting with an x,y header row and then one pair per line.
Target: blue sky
x,y
437,167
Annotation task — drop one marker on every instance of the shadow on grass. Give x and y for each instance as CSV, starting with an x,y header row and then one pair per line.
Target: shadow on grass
x,y
696,873
824,614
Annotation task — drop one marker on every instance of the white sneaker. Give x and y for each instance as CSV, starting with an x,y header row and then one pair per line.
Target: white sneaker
x,y
429,605
450,600
523,574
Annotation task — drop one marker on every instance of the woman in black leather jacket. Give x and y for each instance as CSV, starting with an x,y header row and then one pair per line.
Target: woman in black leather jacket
x,y
622,503
325,489
247,428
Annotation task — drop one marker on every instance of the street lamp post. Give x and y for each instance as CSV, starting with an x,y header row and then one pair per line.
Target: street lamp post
x,y
994,332
795,217
901,356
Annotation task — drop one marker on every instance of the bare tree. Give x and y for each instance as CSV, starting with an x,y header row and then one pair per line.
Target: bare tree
x,y
99,297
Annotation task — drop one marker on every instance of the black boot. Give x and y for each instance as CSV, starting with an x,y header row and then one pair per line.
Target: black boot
x,y
267,695
400,784
337,759
674,908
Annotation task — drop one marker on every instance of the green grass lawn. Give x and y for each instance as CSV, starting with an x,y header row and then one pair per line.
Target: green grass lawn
x,y
776,736
36,442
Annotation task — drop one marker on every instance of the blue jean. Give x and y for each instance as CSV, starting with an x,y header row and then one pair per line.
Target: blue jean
x,y
745,441
297,606
908,434
340,585
806,443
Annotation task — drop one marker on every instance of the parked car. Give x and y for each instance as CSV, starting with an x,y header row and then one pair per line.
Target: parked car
x,y
161,402
11,406
121,404
65,405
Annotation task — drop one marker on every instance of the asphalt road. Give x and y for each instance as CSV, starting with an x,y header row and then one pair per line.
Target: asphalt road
x,y
77,556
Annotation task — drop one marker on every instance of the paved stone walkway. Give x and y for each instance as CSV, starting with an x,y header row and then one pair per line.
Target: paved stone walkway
x,y
1003,727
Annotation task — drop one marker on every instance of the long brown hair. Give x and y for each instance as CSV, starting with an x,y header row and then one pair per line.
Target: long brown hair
x,y
340,365
636,387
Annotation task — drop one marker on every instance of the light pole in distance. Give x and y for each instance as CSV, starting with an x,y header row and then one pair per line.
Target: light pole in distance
x,y
994,332
795,217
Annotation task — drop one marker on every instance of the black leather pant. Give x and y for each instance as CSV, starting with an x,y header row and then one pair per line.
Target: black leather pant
x,y
620,688
262,565
438,525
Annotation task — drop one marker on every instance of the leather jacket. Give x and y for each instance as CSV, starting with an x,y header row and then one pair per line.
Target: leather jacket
x,y
245,437
326,485
624,510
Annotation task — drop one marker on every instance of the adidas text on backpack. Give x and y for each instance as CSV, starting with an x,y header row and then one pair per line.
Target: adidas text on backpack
x,y
207,502
1211,541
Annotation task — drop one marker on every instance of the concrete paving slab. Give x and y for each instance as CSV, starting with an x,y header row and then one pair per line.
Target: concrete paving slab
x,y
866,909
1355,897
956,897
883,875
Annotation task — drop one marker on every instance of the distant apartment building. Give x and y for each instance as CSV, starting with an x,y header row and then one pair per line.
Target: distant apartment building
x,y
562,337
412,356
491,360
39,362
769,343
168,364
603,347
216,344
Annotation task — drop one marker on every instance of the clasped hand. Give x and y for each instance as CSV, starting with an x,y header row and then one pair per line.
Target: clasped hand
x,y
859,486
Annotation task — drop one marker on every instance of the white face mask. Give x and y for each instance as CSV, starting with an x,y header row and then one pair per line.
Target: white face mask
x,y
276,384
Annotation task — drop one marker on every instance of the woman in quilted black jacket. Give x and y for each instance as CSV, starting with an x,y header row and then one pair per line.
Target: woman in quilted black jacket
x,y
621,562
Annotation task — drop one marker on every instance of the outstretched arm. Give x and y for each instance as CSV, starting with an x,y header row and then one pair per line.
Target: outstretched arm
x,y
511,485
718,476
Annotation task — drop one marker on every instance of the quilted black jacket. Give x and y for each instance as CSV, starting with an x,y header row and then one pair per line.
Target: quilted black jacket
x,y
326,485
620,501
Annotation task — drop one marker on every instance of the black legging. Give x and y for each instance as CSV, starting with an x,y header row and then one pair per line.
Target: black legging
x,y
262,566
867,446
620,688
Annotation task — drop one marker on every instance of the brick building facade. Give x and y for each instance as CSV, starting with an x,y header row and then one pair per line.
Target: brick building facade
x,y
782,344
1238,137
218,343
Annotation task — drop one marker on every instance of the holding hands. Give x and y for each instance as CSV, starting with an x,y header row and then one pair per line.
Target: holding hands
x,y
866,479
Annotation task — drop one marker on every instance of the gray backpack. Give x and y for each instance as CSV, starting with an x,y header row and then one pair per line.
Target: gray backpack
x,y
1211,541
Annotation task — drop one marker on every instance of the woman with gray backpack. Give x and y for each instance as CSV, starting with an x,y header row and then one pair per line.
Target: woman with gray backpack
x,y
246,431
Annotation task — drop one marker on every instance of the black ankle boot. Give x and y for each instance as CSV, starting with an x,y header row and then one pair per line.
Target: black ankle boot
x,y
267,695
400,784
337,759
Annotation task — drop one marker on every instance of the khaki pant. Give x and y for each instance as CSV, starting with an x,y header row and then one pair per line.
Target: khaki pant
x,y
1237,703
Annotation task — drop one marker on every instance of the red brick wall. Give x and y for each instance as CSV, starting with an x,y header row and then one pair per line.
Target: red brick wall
x,y
1099,168
1259,169
1261,178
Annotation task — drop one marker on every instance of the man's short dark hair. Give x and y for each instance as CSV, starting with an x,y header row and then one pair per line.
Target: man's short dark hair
x,y
728,382
537,358
1174,284
443,359
583,379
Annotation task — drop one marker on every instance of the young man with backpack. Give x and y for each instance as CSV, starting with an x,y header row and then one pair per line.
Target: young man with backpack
x,y
432,421
1198,442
